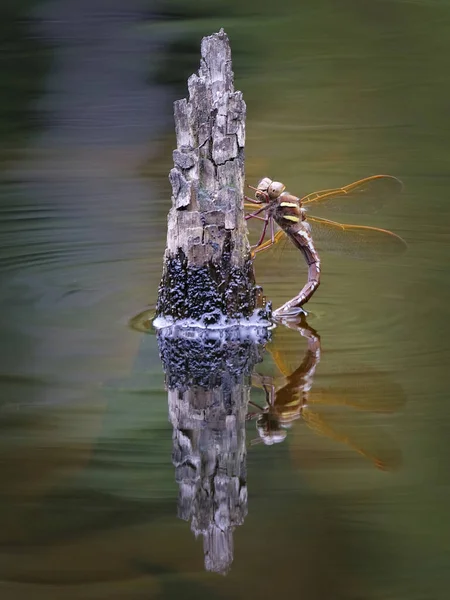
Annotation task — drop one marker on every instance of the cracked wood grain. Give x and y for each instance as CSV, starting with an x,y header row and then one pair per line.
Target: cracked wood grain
x,y
206,226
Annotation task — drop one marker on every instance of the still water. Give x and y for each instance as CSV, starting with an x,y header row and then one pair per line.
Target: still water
x,y
353,503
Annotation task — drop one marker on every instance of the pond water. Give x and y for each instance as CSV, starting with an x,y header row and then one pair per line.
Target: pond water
x,y
352,504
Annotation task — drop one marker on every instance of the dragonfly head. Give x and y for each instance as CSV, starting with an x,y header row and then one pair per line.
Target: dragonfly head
x,y
270,188
269,429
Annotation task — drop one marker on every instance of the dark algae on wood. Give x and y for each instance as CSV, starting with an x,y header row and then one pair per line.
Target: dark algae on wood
x,y
208,272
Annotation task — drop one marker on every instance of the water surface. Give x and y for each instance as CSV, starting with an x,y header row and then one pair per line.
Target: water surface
x,y
89,499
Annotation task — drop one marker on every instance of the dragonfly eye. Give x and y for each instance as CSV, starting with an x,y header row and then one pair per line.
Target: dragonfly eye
x,y
263,185
275,189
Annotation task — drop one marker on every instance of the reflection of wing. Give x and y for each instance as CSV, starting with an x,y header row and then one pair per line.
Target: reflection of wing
x,y
362,195
372,391
357,241
370,442
321,409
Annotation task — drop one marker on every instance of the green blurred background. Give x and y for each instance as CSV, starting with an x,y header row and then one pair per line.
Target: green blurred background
x,y
336,91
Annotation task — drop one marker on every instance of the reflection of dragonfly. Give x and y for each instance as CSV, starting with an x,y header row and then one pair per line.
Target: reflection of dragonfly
x,y
293,398
289,213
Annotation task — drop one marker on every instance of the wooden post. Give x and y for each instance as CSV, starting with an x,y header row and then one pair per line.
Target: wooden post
x,y
208,273
208,280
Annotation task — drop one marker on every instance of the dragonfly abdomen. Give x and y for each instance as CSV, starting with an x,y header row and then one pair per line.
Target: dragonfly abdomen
x,y
299,233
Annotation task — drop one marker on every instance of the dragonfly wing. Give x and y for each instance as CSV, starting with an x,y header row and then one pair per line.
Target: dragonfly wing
x,y
252,206
365,195
358,241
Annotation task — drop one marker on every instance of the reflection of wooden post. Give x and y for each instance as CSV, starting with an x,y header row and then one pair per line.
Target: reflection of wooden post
x,y
207,267
207,376
209,454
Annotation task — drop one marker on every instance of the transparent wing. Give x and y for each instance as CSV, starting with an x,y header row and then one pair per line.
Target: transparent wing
x,y
251,206
358,241
365,195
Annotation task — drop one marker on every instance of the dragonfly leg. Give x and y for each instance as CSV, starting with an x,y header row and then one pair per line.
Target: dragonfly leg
x,y
255,214
263,234
259,247
255,217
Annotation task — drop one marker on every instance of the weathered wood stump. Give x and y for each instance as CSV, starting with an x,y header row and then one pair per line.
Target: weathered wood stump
x,y
208,273
208,280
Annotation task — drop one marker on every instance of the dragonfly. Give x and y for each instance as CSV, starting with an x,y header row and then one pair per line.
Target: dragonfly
x,y
291,397
275,206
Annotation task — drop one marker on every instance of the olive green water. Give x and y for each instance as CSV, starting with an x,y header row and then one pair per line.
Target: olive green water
x,y
335,92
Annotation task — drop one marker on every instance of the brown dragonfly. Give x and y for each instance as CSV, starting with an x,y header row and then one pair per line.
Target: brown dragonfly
x,y
290,396
291,214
